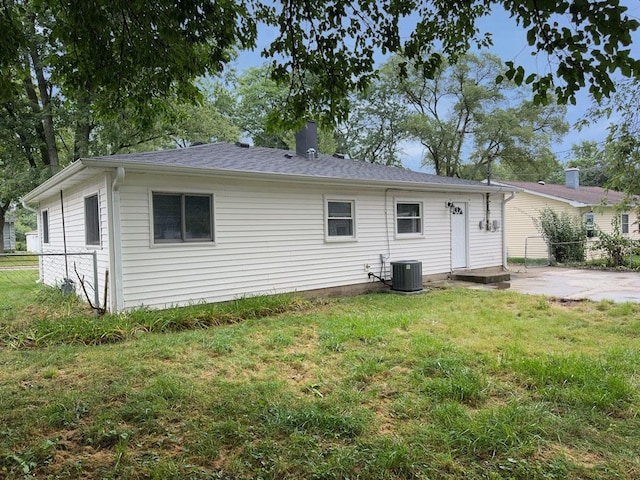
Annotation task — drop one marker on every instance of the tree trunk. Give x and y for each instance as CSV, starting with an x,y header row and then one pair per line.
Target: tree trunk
x,y
84,125
45,100
3,212
30,90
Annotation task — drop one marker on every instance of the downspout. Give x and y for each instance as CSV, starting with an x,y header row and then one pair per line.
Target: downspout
x,y
504,233
115,257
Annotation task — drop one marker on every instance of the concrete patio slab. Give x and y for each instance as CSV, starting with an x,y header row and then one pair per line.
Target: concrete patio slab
x,y
576,284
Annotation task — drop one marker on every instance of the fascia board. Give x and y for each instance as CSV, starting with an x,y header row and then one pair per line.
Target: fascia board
x,y
59,178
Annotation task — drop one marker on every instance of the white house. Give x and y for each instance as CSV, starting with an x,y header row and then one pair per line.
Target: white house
x,y
218,221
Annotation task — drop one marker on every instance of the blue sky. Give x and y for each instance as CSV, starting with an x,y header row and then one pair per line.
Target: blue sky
x,y
510,44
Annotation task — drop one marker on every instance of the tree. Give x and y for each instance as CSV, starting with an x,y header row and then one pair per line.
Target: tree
x,y
591,159
517,139
259,101
337,41
72,88
622,148
469,124
565,234
178,125
377,122
94,58
106,54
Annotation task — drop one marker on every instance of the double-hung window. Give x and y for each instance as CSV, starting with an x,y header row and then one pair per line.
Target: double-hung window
x,y
624,223
409,218
92,220
590,223
180,217
340,219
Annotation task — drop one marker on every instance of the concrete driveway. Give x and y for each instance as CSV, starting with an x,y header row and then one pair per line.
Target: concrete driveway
x,y
575,284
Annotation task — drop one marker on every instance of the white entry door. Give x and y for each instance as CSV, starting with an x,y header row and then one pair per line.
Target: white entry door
x,y
459,235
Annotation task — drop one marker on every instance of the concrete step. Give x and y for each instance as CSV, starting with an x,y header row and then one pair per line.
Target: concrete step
x,y
482,276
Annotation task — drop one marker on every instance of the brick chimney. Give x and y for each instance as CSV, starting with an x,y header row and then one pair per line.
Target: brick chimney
x,y
572,178
307,141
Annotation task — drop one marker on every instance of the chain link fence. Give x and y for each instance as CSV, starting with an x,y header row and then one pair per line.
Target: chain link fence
x,y
536,252
540,253
72,272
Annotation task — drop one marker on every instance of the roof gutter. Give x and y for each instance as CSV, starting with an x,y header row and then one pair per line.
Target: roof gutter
x,y
58,178
432,187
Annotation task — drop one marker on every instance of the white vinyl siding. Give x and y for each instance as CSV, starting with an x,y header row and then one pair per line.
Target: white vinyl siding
x,y
53,269
271,237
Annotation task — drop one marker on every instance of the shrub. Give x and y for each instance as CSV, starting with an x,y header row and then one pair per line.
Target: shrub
x,y
617,247
565,234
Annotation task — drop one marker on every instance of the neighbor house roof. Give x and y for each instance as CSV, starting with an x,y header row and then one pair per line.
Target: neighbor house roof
x,y
241,159
580,197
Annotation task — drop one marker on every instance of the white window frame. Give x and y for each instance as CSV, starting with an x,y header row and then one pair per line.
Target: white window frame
x,y
181,242
623,224
86,232
420,203
591,232
46,237
340,238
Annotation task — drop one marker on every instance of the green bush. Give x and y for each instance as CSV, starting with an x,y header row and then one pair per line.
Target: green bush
x,y
565,234
618,248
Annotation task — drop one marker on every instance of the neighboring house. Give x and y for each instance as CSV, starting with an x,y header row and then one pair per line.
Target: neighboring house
x,y
594,205
216,222
9,234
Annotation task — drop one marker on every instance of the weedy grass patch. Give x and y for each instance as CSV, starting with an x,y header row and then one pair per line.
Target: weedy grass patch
x,y
450,384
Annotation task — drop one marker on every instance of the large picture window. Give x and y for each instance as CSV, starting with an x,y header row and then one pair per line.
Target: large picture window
x,y
179,217
92,220
408,218
340,219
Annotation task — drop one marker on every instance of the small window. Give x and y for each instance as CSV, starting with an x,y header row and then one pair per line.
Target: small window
x,y
589,221
409,218
179,217
45,226
340,219
92,220
624,223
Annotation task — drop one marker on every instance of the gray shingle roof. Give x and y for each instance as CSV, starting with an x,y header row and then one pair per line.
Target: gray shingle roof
x,y
584,195
234,158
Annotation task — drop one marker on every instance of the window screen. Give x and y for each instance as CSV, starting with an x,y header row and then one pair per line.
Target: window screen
x,y
340,219
409,218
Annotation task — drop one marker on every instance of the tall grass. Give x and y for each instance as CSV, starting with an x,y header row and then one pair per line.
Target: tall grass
x,y
451,384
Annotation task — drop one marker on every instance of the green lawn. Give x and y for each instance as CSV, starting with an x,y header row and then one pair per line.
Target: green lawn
x,y
12,260
450,384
